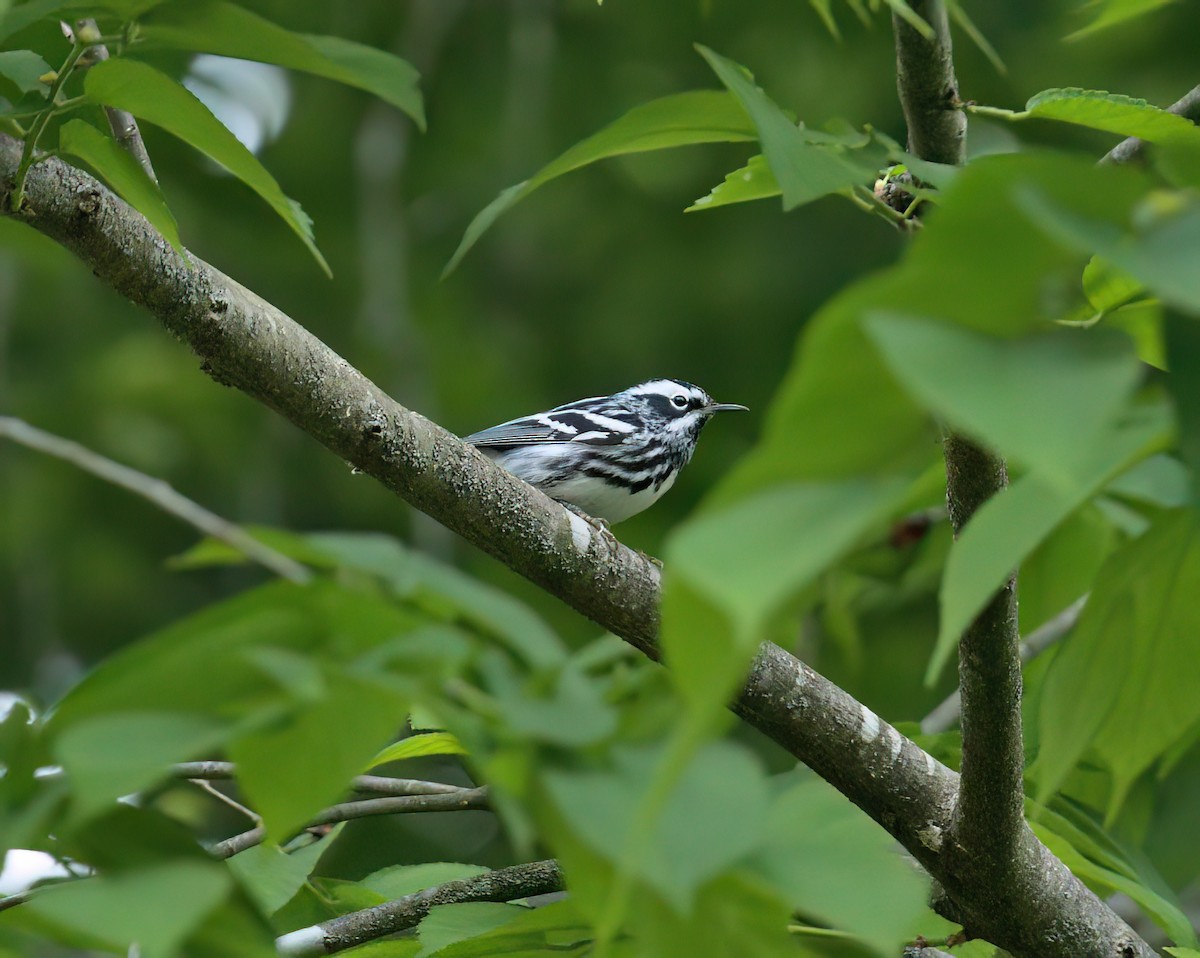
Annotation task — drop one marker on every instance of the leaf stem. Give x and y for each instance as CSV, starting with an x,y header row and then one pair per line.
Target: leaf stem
x,y
39,124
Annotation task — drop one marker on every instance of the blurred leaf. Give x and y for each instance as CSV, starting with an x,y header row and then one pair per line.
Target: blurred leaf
x,y
109,756
824,10
418,746
1111,12
1107,287
1183,352
23,69
396,881
446,925
820,848
721,795
1122,683
1156,252
1063,565
803,169
155,907
122,172
304,761
1112,113
1045,400
212,26
733,915
530,932
272,876
754,181
746,560
156,98
906,13
1142,322
683,119
1159,480
967,25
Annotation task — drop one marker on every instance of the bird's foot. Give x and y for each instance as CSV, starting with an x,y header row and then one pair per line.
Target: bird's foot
x,y
601,525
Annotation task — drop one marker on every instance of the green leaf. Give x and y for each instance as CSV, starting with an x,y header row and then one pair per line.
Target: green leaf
x,y
447,925
721,795
754,181
1112,113
156,98
1123,682
683,119
396,881
155,907
1156,251
820,848
212,26
805,170
418,746
272,876
1112,12
302,762
1046,401
23,69
906,13
109,756
122,172
1183,348
1108,288
824,10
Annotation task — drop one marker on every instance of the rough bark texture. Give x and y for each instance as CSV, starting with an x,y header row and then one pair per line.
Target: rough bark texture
x,y
245,342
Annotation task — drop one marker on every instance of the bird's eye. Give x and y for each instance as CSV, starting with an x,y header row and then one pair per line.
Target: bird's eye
x,y
680,401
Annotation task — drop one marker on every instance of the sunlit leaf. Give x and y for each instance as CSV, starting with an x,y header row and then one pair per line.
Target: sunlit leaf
x,y
1109,13
754,181
1113,113
419,746
213,26
156,98
701,116
118,168
805,170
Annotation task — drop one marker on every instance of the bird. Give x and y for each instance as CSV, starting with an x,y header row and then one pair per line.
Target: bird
x,y
606,457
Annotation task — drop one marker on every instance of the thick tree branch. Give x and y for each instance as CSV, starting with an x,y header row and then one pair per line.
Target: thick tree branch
x,y
245,342
937,128
504,884
945,716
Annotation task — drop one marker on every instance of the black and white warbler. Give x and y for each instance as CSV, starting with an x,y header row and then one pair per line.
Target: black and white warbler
x,y
610,457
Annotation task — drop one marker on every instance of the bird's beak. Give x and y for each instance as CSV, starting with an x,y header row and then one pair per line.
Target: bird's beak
x,y
724,407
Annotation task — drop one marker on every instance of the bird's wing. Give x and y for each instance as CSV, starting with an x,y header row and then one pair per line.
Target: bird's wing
x,y
565,424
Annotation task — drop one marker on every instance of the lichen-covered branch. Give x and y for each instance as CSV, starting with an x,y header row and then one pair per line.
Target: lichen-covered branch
x,y
503,884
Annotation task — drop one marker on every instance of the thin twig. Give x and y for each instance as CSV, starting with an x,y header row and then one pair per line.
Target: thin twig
x,y
124,126
1132,148
945,716
156,491
379,784
222,797
504,884
463,800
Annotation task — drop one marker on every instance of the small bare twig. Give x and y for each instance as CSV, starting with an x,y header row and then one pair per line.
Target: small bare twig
x,y
945,716
156,491
504,884
379,784
462,800
222,797
1132,148
124,126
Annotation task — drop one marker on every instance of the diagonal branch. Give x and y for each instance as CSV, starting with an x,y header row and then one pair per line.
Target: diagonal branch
x,y
1132,148
245,342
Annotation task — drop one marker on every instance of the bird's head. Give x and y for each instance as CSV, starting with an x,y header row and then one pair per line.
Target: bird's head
x,y
681,408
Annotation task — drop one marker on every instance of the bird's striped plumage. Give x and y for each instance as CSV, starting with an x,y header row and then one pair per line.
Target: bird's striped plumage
x,y
609,456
